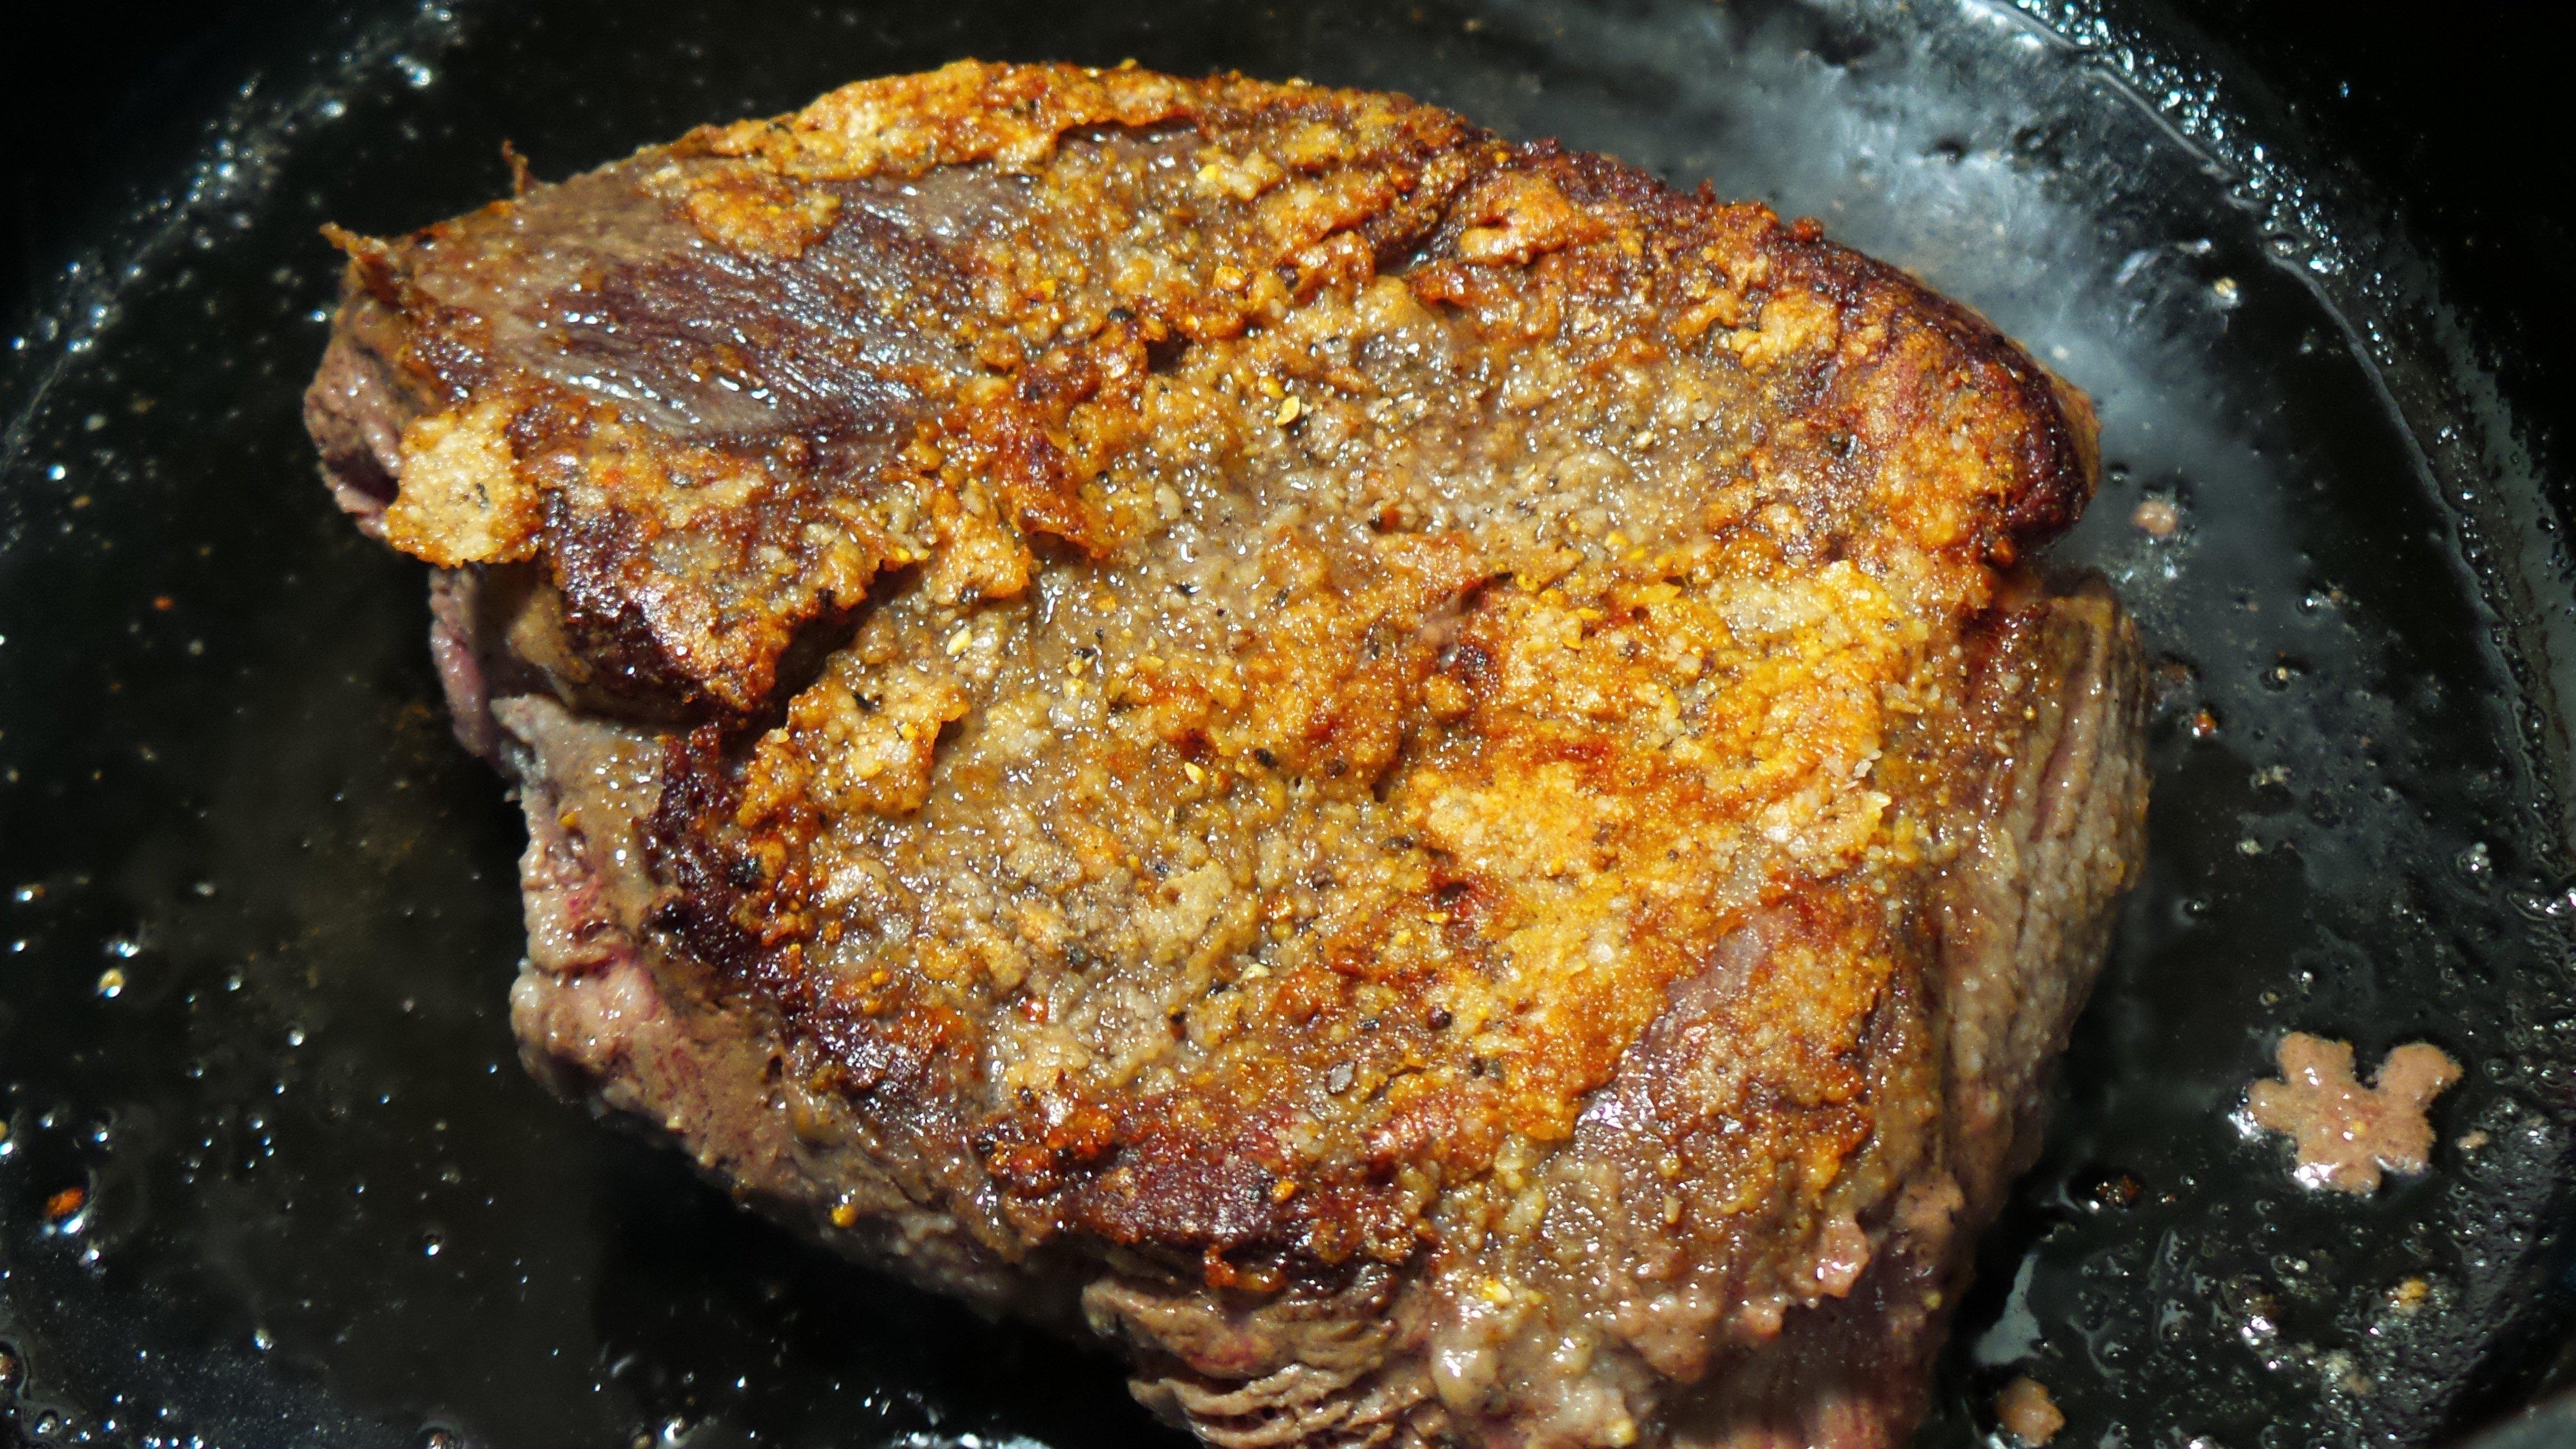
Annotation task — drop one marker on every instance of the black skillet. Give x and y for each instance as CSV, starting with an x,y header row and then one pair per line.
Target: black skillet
x,y
271,1175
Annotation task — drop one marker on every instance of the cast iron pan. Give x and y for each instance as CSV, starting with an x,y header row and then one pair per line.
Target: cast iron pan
x,y
261,910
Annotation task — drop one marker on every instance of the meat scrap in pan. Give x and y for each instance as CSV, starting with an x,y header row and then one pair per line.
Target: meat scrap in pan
x,y
1420,779
2347,1135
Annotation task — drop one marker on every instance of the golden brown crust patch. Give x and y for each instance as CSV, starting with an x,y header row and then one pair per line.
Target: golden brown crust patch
x,y
462,500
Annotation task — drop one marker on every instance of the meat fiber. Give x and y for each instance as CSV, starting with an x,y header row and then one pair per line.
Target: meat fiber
x,y
1416,778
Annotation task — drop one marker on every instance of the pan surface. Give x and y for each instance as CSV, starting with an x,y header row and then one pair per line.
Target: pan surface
x,y
271,1173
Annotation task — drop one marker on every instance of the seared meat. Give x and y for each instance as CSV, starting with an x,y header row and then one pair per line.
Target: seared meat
x,y
1414,776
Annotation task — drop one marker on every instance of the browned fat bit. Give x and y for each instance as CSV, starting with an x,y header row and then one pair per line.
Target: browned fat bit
x,y
2156,517
2111,1189
2026,1412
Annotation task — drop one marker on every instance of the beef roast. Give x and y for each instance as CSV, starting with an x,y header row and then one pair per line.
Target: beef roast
x,y
1417,778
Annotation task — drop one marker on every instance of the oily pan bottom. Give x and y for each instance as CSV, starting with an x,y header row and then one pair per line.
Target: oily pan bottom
x,y
261,911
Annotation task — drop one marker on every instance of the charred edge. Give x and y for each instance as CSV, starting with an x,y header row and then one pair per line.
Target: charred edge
x,y
1212,1205
2061,453
1480,156
1422,220
440,352
629,671
704,885
2055,462
2054,459
716,894
1590,179
809,650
